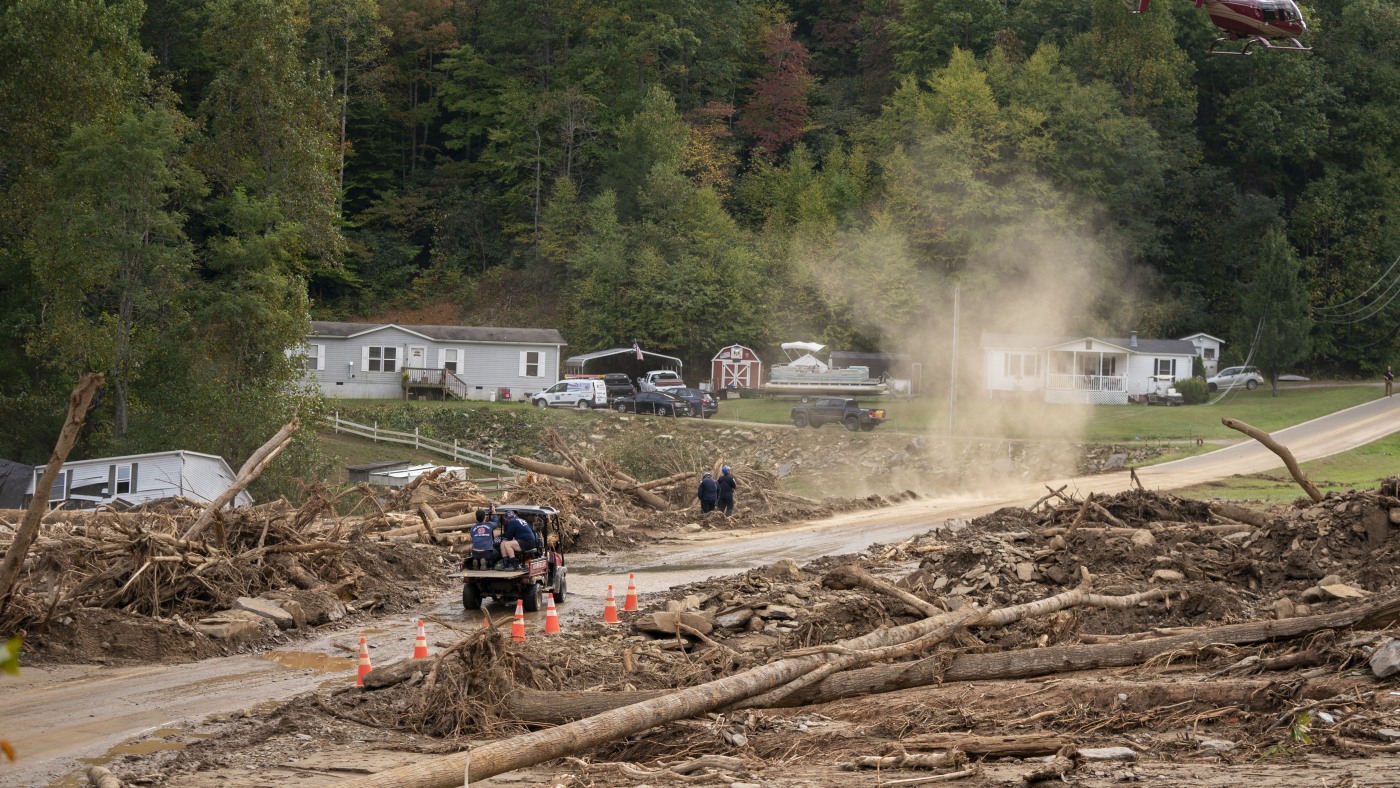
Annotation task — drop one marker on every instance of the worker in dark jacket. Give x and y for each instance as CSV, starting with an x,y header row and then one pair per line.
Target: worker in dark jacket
x,y
708,493
726,486
518,538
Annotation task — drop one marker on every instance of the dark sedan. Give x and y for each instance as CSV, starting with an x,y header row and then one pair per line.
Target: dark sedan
x,y
658,402
702,402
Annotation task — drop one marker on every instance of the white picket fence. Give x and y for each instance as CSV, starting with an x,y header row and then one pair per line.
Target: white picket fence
x,y
451,450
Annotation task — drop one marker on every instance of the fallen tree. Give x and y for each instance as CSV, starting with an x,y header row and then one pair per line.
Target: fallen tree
x,y
546,745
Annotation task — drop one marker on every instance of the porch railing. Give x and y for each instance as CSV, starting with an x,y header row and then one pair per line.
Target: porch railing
x,y
426,377
1087,382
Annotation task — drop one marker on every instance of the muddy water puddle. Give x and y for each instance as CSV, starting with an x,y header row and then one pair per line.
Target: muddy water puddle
x,y
156,741
311,660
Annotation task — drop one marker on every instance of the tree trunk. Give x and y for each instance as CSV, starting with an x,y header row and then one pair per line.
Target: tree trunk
x,y
78,403
246,476
521,751
1279,449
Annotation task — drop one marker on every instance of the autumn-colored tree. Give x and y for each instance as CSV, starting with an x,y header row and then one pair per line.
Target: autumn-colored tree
x,y
776,113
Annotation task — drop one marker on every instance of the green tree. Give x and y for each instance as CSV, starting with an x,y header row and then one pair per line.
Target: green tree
x,y
116,189
1274,314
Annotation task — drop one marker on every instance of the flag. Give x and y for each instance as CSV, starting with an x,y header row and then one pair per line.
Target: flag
x,y
637,349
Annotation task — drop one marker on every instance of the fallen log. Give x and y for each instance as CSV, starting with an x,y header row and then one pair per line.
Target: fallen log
x,y
1239,514
1021,663
78,404
247,474
850,576
1023,745
519,752
943,760
1282,452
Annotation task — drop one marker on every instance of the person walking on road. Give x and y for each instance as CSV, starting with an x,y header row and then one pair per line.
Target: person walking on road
x,y
726,486
708,493
1389,381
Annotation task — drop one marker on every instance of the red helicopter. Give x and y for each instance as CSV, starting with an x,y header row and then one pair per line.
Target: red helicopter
x,y
1271,24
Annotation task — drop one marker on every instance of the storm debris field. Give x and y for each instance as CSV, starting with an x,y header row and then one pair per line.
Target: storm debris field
x,y
1098,641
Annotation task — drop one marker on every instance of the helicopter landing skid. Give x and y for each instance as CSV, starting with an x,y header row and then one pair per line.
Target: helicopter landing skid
x,y
1283,45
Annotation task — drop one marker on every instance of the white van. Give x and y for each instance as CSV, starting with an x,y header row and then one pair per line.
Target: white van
x,y
581,393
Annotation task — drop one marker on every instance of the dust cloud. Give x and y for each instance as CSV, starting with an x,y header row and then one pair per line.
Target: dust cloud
x,y
1027,270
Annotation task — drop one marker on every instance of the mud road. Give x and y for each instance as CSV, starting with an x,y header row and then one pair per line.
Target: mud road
x,y
61,718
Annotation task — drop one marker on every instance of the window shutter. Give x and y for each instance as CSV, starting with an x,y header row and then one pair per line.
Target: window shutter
x,y
523,357
320,357
111,480
133,478
364,359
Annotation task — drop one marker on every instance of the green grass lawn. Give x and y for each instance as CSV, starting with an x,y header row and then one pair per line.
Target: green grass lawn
x,y
1099,424
1359,469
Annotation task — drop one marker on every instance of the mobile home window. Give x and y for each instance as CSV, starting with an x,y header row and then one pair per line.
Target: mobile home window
x,y
315,356
530,364
59,491
381,359
1166,366
122,477
1208,353
1020,365
449,360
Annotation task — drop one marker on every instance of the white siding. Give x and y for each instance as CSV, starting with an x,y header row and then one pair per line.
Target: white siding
x,y
998,380
1142,368
197,476
206,478
486,367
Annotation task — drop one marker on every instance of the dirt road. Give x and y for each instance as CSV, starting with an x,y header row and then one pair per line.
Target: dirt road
x,y
60,718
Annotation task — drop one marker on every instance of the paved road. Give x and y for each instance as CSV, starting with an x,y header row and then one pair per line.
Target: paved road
x,y
57,717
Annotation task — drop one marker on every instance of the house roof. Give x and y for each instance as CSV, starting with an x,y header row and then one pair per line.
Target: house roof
x,y
519,336
1201,335
134,457
1164,347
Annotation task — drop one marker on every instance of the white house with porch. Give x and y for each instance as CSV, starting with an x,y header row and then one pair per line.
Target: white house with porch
x,y
1084,370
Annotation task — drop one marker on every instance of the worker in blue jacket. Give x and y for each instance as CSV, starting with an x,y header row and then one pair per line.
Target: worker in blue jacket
x,y
708,493
726,486
518,539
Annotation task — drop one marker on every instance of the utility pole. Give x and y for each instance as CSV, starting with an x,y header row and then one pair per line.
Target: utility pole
x,y
953,368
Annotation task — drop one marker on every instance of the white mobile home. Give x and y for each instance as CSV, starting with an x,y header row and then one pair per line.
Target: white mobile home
x,y
137,478
1084,370
385,360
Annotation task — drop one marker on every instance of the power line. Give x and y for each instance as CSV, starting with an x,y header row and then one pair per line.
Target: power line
x,y
1363,293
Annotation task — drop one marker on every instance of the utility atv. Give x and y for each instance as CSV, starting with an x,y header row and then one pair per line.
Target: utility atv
x,y
542,572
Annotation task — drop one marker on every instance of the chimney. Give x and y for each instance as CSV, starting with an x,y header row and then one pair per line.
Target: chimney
x,y
1132,339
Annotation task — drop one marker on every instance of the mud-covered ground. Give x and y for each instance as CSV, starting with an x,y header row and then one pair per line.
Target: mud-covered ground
x,y
1299,711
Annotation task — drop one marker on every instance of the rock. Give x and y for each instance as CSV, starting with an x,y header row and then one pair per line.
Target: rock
x,y
1108,754
691,528
1056,543
1283,608
754,624
1376,520
267,609
666,623
1388,734
736,739
1385,661
785,569
1303,610
1115,462
734,619
1313,594
1342,591
777,612
231,625
1025,571
1168,576
1216,745
1395,516
690,603
1143,538
1329,580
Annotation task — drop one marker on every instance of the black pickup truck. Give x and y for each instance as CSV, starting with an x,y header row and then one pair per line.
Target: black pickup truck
x,y
837,410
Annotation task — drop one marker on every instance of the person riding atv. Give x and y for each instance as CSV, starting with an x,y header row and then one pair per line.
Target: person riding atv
x,y
541,569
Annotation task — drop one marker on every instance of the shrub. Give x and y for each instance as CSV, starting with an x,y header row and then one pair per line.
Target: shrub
x,y
1193,391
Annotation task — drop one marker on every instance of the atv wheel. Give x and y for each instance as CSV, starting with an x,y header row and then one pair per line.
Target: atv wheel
x,y
471,600
562,587
533,598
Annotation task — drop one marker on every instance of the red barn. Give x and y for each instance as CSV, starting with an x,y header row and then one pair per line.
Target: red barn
x,y
738,366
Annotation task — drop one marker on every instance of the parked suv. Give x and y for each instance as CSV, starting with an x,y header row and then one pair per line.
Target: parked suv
x,y
619,385
581,393
702,403
1233,377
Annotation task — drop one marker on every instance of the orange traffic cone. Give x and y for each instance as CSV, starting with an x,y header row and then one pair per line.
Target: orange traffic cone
x,y
420,642
365,667
630,603
551,617
610,609
517,630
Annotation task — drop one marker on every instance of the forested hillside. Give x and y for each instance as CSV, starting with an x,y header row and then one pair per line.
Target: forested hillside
x,y
183,183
